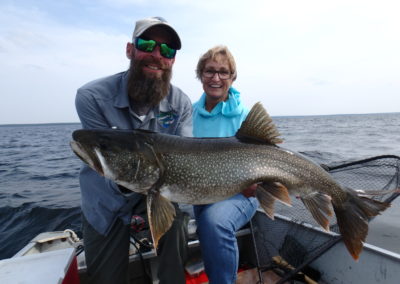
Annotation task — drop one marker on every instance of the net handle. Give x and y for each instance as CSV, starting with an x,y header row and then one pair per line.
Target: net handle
x,y
363,161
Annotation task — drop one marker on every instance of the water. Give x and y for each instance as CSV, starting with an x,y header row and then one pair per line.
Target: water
x,y
342,137
39,188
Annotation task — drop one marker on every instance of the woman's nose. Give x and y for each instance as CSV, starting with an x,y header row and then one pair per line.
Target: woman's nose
x,y
216,77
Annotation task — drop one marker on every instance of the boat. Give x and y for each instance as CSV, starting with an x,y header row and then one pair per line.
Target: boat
x,y
292,248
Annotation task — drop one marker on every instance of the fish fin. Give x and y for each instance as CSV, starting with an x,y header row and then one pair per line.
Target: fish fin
x,y
148,152
352,217
266,201
268,192
259,126
319,204
279,191
160,211
161,214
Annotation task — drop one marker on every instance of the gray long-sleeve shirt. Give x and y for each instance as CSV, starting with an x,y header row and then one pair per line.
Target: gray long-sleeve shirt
x,y
104,103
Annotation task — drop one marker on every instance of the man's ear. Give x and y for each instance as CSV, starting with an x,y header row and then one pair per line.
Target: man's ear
x,y
129,50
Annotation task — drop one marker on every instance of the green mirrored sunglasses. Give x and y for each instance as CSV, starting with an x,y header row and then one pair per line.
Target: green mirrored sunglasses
x,y
148,45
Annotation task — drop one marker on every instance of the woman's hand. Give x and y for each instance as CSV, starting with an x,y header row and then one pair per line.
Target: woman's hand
x,y
250,191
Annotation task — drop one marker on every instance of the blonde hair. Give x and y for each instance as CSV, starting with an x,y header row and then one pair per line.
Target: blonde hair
x,y
212,54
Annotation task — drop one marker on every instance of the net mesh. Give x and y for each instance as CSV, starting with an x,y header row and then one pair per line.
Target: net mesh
x,y
295,239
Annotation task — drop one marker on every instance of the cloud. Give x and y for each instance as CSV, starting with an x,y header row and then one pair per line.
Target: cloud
x,y
298,57
44,62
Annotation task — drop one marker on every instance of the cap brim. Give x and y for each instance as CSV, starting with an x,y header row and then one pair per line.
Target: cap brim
x,y
176,41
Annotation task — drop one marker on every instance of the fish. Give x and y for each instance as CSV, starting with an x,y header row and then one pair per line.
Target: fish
x,y
170,168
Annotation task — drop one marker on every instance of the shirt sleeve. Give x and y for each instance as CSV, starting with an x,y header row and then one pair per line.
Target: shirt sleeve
x,y
185,127
91,116
89,112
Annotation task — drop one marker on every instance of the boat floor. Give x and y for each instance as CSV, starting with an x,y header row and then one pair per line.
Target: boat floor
x,y
261,249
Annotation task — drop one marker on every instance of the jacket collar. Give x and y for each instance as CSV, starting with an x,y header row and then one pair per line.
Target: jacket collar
x,y
231,107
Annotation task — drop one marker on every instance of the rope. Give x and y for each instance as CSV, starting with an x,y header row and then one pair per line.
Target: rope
x,y
72,235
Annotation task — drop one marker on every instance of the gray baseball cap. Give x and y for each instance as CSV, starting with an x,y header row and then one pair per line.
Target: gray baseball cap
x,y
144,24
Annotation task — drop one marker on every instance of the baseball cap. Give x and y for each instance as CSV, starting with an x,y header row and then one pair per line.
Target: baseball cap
x,y
144,24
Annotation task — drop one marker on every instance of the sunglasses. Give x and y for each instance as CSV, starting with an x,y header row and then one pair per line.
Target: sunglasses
x,y
148,45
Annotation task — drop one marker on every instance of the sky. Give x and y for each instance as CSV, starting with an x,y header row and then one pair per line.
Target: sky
x,y
297,57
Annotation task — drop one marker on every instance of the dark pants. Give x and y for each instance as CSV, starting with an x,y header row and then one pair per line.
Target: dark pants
x,y
107,257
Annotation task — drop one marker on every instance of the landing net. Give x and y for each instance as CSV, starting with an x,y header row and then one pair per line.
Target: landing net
x,y
295,240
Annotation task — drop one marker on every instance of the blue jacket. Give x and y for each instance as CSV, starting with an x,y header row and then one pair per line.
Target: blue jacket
x,y
223,121
104,103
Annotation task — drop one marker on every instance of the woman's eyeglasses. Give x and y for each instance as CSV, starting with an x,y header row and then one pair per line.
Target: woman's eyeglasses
x,y
148,45
223,75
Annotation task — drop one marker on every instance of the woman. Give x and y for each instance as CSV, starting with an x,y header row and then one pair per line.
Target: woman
x,y
219,113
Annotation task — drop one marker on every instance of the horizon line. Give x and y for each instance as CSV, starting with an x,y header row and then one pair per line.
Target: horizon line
x,y
276,116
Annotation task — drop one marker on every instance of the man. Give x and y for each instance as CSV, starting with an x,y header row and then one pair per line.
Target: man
x,y
140,98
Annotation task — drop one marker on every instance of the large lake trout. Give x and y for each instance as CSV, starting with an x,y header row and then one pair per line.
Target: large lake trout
x,y
205,170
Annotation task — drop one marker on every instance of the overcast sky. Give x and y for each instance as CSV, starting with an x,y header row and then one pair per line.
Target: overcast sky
x,y
297,57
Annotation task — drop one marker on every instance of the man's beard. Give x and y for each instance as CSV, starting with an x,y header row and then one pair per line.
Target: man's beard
x,y
145,90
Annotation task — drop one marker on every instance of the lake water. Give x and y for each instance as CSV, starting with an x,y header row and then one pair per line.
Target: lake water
x,y
39,188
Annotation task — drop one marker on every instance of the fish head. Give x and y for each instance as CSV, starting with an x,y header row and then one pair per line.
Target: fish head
x,y
126,157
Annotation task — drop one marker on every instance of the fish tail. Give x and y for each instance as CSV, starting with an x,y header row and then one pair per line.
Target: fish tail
x,y
161,214
376,192
352,217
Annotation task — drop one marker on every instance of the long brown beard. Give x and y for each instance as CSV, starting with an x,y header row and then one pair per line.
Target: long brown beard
x,y
146,90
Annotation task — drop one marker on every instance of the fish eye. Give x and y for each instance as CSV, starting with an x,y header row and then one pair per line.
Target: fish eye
x,y
103,145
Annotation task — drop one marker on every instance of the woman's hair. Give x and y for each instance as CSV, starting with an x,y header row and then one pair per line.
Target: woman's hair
x,y
212,54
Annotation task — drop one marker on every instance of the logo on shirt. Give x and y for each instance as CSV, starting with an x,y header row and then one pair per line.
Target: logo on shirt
x,y
165,119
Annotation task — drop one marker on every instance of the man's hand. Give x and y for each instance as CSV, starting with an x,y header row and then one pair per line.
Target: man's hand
x,y
124,189
250,191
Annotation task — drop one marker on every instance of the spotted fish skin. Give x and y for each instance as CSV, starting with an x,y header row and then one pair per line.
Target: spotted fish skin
x,y
207,173
206,170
